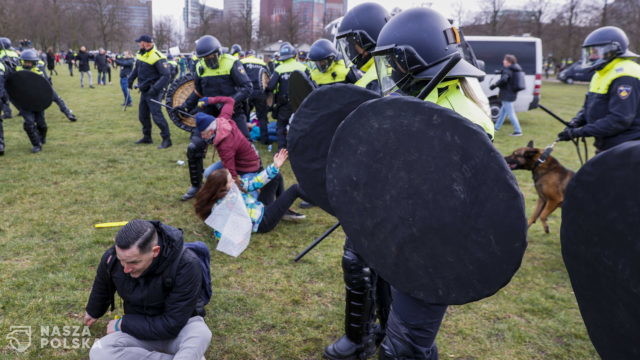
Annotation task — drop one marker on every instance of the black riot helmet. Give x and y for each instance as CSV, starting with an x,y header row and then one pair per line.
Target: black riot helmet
x,y
235,49
208,47
5,43
413,47
29,58
323,53
359,31
287,51
603,45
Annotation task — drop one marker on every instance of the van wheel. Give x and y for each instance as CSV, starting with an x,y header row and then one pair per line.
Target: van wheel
x,y
569,80
494,106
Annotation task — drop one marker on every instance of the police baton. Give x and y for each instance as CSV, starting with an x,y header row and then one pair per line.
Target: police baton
x,y
316,242
173,109
575,142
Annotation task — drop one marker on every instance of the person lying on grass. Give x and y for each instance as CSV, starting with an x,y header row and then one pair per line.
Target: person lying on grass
x,y
266,211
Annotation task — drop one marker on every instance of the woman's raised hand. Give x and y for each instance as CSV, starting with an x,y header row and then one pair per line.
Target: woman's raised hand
x,y
280,157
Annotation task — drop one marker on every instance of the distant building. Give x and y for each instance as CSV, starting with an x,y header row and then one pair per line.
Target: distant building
x,y
138,14
273,12
311,15
194,11
234,9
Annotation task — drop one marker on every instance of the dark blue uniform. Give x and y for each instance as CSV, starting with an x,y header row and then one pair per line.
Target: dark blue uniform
x,y
153,74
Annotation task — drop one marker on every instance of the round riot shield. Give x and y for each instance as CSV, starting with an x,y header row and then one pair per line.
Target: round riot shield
x,y
300,86
28,90
177,94
601,248
311,131
427,200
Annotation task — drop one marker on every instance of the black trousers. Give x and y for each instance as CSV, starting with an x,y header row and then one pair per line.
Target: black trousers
x,y
6,109
274,212
284,113
70,68
34,125
258,100
149,109
412,328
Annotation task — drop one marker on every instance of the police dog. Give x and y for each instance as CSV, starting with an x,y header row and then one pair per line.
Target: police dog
x,y
549,177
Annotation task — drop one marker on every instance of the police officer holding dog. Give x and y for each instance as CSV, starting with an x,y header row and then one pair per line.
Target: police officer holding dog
x,y
610,111
153,74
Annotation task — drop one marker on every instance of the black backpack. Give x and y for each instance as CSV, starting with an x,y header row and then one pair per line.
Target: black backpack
x,y
200,249
518,83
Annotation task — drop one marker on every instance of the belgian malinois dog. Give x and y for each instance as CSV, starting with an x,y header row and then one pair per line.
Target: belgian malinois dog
x,y
549,177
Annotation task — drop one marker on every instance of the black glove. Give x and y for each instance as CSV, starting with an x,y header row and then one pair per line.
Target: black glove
x,y
573,124
492,86
130,86
567,134
182,107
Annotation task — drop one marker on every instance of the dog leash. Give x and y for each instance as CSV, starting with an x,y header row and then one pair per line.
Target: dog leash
x,y
575,142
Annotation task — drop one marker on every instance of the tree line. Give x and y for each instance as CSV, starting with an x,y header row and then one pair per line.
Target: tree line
x,y
95,23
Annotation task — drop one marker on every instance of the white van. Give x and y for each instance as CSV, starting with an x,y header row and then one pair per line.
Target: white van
x,y
528,50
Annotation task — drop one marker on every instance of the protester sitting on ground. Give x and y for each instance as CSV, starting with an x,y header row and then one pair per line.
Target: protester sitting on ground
x,y
266,211
158,322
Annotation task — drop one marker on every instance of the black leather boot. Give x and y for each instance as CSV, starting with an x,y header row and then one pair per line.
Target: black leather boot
x,y
191,192
165,143
145,140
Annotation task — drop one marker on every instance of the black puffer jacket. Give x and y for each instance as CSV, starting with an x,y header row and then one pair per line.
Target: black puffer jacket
x,y
506,83
83,58
101,62
152,312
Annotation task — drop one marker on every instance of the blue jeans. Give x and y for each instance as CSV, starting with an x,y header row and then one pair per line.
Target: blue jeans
x,y
124,85
507,109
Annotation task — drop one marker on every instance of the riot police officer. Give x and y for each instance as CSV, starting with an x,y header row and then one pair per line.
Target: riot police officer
x,y
34,122
11,60
235,51
279,85
328,68
153,74
610,111
217,74
356,38
258,100
366,292
406,56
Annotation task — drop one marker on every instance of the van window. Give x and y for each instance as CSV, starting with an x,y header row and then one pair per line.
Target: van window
x,y
492,53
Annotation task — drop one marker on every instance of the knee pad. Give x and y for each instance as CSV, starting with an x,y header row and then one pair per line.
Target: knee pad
x,y
196,149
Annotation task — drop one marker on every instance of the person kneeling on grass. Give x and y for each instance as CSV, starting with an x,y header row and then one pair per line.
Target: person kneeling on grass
x,y
160,321
266,211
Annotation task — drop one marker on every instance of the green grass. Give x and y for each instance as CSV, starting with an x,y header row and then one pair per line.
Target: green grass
x,y
264,305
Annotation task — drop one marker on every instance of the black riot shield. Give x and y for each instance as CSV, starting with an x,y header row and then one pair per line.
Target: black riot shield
x,y
427,200
300,86
600,236
178,92
311,132
28,90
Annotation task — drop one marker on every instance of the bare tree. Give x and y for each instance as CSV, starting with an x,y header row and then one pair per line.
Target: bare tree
x,y
104,14
164,33
492,11
538,10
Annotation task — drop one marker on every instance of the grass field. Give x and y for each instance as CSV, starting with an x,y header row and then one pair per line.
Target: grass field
x,y
264,305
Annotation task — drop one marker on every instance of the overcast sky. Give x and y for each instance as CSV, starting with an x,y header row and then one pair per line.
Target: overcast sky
x,y
174,7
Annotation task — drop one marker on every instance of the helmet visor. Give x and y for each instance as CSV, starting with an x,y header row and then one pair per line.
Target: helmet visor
x,y
354,47
597,54
391,75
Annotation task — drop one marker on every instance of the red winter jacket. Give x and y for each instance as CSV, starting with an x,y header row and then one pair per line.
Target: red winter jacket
x,y
236,152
